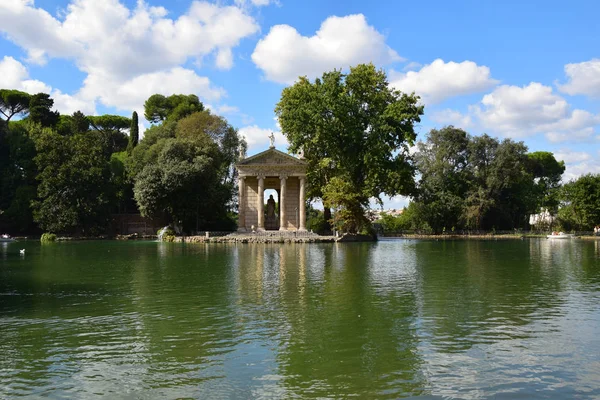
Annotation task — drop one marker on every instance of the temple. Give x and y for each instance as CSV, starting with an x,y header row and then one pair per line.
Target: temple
x,y
272,169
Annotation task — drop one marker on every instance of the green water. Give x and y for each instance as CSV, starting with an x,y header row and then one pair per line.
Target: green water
x,y
461,319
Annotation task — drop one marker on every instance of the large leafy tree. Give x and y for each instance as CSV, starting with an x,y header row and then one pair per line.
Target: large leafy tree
x,y
159,108
547,172
580,208
74,192
182,170
354,131
13,102
501,192
480,182
17,176
442,161
221,132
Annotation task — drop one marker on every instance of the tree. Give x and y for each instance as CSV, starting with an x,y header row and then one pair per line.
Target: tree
x,y
220,131
501,193
580,203
442,161
79,123
40,106
13,102
354,131
547,172
112,130
159,108
17,176
183,182
74,192
134,133
182,169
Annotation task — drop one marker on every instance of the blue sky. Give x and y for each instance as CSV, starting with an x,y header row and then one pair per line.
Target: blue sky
x,y
525,70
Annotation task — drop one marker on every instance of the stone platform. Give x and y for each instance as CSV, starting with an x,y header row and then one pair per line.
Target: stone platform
x,y
274,237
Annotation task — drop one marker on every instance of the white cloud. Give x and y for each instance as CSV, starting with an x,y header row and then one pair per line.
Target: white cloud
x,y
255,3
340,42
131,94
574,171
258,139
518,112
412,66
67,104
439,80
570,157
224,59
452,117
584,78
16,76
128,53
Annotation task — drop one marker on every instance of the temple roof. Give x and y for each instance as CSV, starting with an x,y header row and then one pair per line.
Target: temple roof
x,y
271,157
272,162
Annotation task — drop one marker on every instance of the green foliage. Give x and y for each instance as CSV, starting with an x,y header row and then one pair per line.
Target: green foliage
x,y
48,238
501,193
183,169
316,221
159,108
74,192
13,102
355,132
79,123
112,131
547,172
17,177
443,164
73,124
219,130
480,182
120,183
40,106
580,208
134,133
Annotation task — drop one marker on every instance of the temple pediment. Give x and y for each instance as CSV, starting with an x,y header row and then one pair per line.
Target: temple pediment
x,y
272,157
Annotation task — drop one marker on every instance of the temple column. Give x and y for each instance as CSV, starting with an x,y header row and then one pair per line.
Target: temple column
x,y
302,204
282,214
242,204
260,205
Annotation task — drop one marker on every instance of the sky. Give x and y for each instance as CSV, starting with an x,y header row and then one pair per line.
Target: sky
x,y
529,71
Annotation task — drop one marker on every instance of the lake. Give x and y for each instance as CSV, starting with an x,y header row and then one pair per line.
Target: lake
x,y
397,318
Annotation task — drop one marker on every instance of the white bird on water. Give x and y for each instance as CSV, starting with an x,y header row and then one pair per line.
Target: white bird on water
x,y
22,251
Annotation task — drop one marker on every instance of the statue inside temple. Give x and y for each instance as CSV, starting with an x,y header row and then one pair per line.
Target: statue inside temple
x,y
271,222
271,207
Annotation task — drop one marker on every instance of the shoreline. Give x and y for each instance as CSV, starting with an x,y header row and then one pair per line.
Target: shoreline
x,y
490,236
310,238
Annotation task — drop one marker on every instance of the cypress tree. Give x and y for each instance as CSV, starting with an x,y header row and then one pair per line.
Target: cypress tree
x,y
134,133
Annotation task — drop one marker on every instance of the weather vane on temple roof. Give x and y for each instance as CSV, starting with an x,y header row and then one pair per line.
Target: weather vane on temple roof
x,y
272,138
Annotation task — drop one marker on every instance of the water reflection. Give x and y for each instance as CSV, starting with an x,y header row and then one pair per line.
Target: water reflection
x,y
387,320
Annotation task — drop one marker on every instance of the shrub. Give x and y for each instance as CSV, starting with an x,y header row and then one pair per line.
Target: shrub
x,y
48,238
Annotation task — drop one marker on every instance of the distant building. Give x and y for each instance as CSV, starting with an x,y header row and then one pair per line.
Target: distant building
x,y
375,215
541,220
